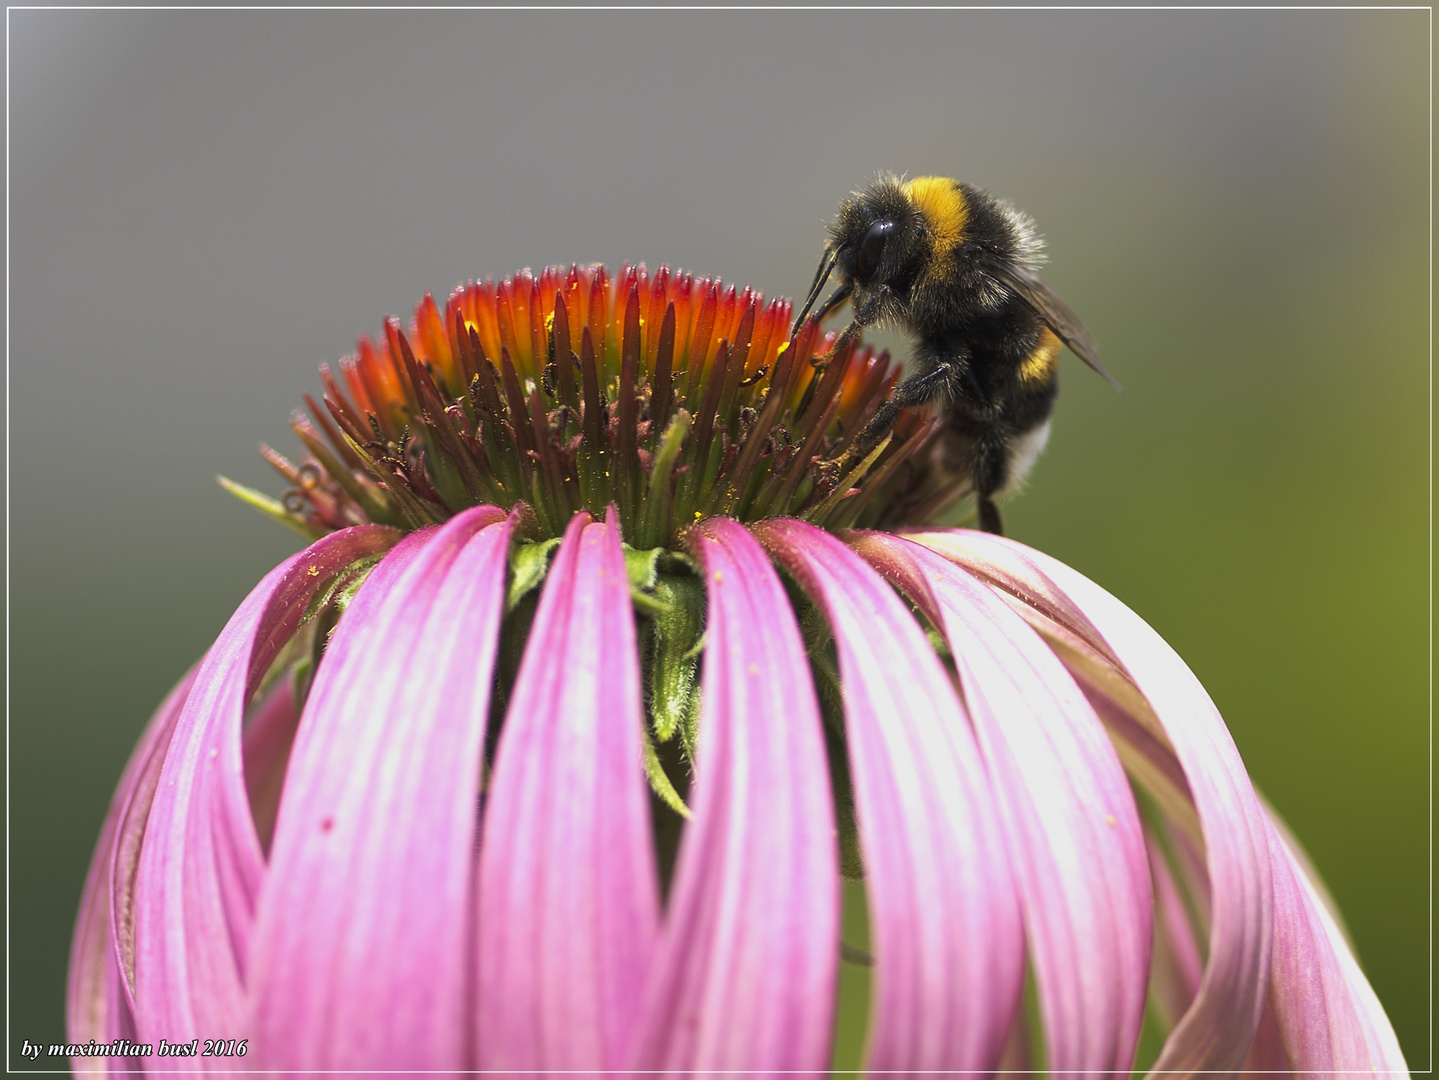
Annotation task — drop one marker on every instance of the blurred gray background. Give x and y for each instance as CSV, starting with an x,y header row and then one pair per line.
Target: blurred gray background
x,y
206,205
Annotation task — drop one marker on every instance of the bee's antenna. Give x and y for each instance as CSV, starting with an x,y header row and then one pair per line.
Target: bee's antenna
x,y
821,275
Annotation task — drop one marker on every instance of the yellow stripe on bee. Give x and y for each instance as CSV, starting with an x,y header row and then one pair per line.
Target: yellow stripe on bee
x,y
1038,367
945,211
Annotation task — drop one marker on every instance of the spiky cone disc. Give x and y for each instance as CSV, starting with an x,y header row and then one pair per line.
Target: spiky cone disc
x,y
671,397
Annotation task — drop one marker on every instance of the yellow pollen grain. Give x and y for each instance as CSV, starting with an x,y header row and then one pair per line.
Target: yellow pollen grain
x,y
719,576
313,571
550,321
783,345
699,514
754,671
1038,367
1109,820
942,204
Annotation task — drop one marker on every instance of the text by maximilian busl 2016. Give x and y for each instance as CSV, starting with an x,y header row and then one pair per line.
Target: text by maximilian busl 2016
x,y
126,1048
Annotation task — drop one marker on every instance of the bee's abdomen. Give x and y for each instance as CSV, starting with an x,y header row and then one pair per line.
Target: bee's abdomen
x,y
1041,367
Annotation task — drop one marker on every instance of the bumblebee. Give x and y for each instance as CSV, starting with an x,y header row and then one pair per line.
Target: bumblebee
x,y
955,268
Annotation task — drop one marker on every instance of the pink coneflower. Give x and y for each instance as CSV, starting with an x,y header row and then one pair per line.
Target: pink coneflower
x,y
608,660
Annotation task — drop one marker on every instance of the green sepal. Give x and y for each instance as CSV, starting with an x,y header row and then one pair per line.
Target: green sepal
x,y
342,587
272,508
660,782
444,474
1031,1023
676,641
824,669
643,570
514,636
302,675
295,652
938,643
300,657
658,508
831,705
528,566
322,615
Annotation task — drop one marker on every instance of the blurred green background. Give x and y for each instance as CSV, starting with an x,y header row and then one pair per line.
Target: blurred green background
x,y
206,205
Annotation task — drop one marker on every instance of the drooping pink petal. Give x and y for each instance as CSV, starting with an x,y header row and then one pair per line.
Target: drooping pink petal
x,y
1327,1016
1137,733
360,952
1178,964
125,859
568,893
948,940
745,974
1267,1052
1217,1030
1071,826
201,864
269,736
98,1000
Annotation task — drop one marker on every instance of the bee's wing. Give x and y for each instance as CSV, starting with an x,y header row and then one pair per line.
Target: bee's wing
x,y
1054,311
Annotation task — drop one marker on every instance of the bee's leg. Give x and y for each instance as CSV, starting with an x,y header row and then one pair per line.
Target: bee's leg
x,y
877,428
990,466
916,391
862,317
989,516
848,334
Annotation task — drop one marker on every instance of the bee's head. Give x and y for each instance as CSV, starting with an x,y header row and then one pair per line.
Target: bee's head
x,y
877,236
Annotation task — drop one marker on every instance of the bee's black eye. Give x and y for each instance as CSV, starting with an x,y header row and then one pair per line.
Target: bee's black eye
x,y
870,249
